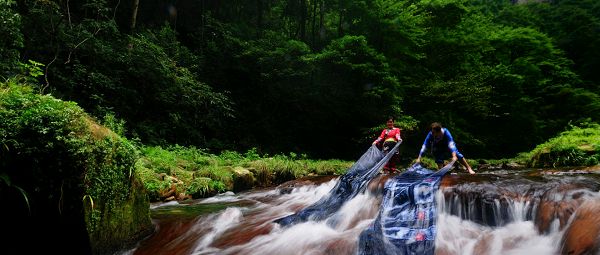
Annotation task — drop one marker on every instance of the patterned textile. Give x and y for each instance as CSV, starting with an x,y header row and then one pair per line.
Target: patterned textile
x,y
406,223
350,184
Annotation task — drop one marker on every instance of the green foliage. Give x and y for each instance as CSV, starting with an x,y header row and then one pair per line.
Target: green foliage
x,y
153,183
252,154
575,147
12,39
315,76
486,77
8,185
329,167
230,157
445,13
429,163
174,102
59,156
573,24
218,173
148,79
113,123
199,187
285,78
31,71
199,174
360,91
159,160
285,168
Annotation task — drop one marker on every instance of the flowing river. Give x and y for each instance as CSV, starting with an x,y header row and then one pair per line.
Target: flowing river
x,y
501,212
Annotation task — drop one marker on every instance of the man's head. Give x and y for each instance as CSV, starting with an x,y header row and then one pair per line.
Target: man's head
x,y
436,129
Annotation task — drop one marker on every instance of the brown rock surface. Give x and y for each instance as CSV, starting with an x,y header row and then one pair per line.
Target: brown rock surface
x,y
583,234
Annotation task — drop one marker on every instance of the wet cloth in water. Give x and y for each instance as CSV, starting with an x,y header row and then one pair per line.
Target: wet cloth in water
x,y
348,186
406,222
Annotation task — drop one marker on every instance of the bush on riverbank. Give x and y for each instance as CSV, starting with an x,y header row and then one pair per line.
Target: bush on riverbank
x,y
579,146
178,172
75,178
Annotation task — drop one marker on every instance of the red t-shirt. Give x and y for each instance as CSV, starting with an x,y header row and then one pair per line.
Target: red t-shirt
x,y
394,134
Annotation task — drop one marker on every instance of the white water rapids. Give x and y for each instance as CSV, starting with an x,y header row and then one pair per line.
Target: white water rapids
x,y
248,228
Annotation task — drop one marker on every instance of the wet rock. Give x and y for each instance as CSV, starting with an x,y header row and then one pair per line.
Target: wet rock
x,y
243,179
483,167
288,187
512,166
172,191
377,184
448,181
550,211
559,204
183,196
583,234
483,244
486,200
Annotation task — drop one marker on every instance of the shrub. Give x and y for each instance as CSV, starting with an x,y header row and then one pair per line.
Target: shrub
x,y
78,176
575,147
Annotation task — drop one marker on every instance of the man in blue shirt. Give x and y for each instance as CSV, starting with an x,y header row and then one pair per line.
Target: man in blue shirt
x,y
440,141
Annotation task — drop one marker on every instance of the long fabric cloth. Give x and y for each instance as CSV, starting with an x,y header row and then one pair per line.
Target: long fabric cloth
x,y
406,223
348,186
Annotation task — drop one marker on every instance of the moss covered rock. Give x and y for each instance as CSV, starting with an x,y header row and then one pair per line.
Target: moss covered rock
x,y
579,146
243,179
72,182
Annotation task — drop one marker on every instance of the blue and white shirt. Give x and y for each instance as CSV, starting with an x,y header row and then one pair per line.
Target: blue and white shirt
x,y
445,140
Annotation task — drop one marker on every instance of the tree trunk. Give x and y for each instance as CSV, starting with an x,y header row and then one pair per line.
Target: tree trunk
x,y
136,3
342,10
321,19
314,21
259,18
303,13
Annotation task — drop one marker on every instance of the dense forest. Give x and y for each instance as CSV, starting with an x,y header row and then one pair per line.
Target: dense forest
x,y
317,77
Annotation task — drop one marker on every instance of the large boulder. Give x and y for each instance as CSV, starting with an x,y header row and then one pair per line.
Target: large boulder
x,y
69,184
243,179
559,204
582,236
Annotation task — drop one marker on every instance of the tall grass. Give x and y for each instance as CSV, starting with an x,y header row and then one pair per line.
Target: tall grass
x,y
579,146
195,172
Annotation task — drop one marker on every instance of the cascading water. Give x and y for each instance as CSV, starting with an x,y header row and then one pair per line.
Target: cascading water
x,y
349,185
509,228
508,215
512,213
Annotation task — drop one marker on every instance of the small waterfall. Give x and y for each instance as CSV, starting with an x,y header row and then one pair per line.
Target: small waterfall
x,y
494,225
484,214
509,216
498,202
458,236
489,205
